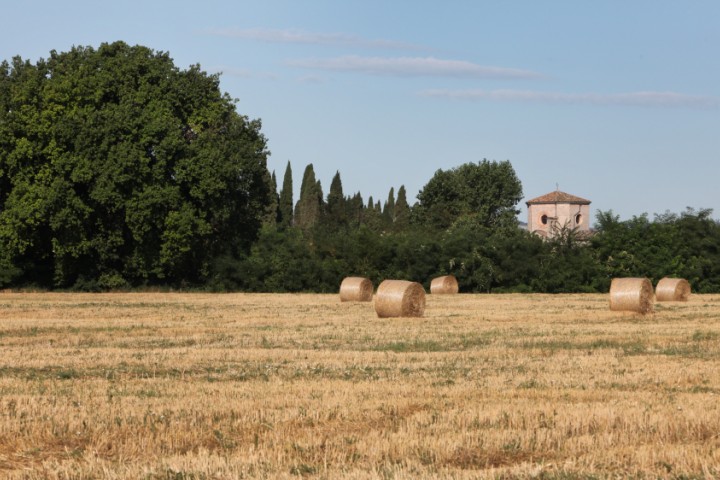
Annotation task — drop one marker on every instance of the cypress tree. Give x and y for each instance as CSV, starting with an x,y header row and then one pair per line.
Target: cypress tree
x,y
402,210
336,204
272,213
309,206
285,203
389,210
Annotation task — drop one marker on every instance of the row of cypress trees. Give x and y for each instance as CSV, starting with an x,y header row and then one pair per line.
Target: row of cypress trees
x,y
336,210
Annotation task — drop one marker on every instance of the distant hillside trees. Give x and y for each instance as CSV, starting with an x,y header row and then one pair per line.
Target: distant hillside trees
x,y
119,169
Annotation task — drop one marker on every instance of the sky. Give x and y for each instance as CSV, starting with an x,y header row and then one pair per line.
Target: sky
x,y
615,101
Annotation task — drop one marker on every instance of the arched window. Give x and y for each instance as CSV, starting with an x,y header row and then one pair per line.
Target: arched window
x,y
578,219
544,219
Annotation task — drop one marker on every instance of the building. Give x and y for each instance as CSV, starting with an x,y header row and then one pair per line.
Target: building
x,y
552,212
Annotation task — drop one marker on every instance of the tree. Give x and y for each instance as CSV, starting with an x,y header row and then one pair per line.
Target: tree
x,y
389,208
372,216
402,210
686,246
355,210
118,168
280,261
286,199
486,191
309,207
698,250
568,264
272,211
337,206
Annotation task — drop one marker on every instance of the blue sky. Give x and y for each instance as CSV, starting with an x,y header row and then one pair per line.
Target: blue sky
x,y
614,101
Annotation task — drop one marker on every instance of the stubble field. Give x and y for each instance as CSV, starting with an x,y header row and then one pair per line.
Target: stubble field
x,y
204,386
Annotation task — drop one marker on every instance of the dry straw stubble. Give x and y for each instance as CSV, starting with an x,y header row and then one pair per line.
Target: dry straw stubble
x,y
672,290
192,385
400,298
446,284
631,294
356,289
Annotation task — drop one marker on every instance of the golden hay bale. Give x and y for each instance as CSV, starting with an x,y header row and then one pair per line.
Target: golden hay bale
x,y
446,284
672,290
356,289
631,294
400,298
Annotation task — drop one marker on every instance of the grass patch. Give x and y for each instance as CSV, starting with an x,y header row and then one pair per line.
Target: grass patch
x,y
704,336
629,347
414,346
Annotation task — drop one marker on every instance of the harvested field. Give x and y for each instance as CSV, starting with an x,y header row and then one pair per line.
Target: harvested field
x,y
202,386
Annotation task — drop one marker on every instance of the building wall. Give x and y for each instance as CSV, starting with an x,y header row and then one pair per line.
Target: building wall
x,y
559,214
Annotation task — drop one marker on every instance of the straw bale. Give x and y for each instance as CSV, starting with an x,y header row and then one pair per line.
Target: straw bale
x,y
356,289
400,298
631,294
447,284
672,290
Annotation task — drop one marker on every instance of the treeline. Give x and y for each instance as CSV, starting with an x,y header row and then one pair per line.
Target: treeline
x,y
312,245
119,171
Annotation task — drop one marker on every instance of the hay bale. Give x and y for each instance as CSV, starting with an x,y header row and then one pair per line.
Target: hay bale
x,y
400,298
631,294
356,289
672,290
447,284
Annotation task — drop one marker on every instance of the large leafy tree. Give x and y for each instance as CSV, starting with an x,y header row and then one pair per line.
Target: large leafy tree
x,y
487,192
118,168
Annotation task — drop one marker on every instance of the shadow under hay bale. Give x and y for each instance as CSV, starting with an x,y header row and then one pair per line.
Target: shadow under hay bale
x,y
672,290
447,284
356,289
631,294
400,298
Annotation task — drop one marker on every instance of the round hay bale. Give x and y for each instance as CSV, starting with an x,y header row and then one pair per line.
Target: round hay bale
x,y
400,298
356,289
631,294
672,290
447,284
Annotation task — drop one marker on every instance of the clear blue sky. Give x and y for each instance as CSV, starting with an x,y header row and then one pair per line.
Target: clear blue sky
x,y
615,101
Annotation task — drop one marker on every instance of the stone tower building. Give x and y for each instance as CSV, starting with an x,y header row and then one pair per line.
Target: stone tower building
x,y
549,213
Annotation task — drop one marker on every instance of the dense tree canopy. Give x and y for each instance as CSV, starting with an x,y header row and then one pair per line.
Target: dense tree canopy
x,y
117,168
685,245
486,191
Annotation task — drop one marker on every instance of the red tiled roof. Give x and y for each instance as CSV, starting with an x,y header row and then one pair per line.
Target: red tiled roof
x,y
558,197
